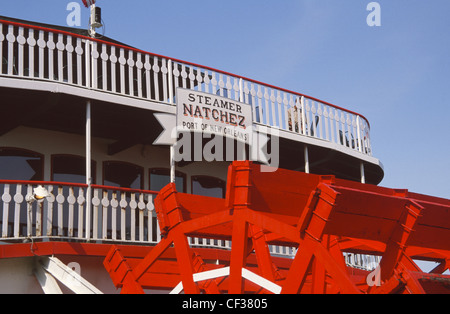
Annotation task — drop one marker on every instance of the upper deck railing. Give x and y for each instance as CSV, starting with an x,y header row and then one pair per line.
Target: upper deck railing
x,y
37,53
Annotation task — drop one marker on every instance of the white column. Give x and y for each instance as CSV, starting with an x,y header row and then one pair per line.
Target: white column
x,y
88,170
172,163
306,159
170,77
363,174
91,21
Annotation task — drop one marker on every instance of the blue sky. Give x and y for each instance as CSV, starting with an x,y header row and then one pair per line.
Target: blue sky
x,y
396,75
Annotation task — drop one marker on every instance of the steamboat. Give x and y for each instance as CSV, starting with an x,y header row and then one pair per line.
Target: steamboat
x,y
95,200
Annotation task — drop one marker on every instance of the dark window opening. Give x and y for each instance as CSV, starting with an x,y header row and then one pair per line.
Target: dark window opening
x,y
124,175
71,168
20,164
159,178
208,186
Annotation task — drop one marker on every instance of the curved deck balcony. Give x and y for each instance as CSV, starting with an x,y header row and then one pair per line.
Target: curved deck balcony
x,y
116,216
50,60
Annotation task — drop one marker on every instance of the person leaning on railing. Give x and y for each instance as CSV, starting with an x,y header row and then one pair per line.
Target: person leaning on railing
x,y
297,119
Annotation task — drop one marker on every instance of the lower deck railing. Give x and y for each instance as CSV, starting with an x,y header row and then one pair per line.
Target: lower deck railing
x,y
115,215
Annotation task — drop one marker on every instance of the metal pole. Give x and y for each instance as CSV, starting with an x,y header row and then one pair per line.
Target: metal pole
x,y
170,77
88,169
91,20
172,163
363,174
306,159
171,101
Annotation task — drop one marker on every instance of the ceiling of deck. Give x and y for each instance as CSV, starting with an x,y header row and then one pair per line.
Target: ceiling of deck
x,y
127,126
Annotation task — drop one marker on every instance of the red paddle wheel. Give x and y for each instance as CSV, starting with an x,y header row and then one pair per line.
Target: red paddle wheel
x,y
320,217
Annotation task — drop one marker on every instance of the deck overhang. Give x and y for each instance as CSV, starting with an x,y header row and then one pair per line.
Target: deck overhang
x,y
127,122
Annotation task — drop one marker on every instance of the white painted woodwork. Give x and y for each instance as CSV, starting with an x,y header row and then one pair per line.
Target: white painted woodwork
x,y
67,276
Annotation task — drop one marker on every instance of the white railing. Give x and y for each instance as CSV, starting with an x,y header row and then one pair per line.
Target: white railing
x,y
30,52
117,215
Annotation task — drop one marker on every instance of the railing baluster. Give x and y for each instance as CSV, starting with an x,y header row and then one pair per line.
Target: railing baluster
x,y
275,108
346,128
150,209
81,200
21,41
94,65
50,205
192,78
314,119
18,199
326,123
69,49
139,67
164,71
207,81
95,222
104,56
6,198
29,213
141,207
130,64
286,107
79,51
122,62
51,66
230,88
320,121
199,79
60,200
105,205
339,135
358,132
184,76
262,105
133,206
333,134
88,63
156,70
146,68
31,55
174,76
39,217
221,86
123,207
60,47
213,83
11,40
113,60
71,200
114,204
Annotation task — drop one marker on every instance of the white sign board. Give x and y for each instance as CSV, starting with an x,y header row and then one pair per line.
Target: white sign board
x,y
213,114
